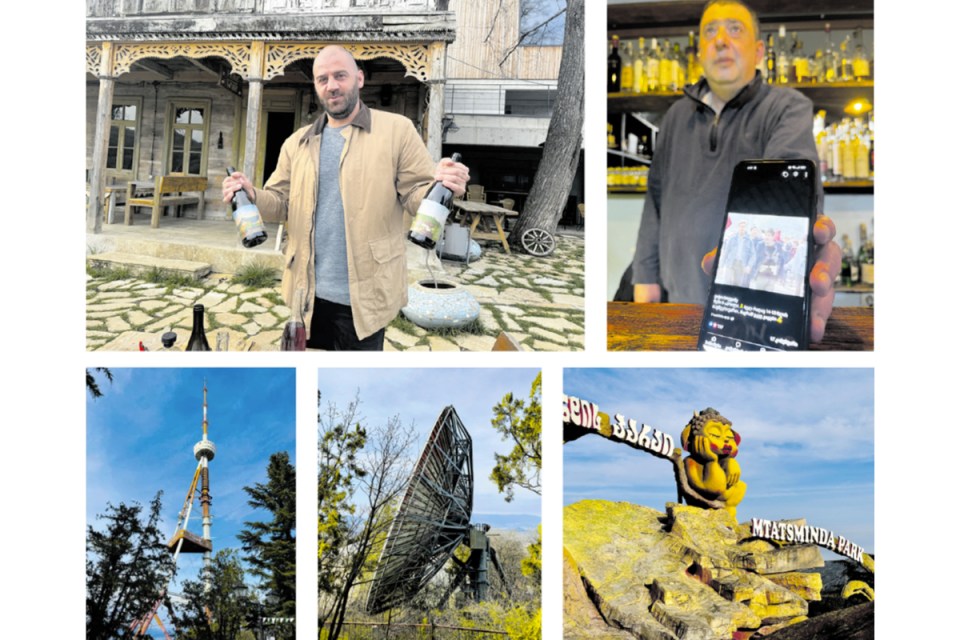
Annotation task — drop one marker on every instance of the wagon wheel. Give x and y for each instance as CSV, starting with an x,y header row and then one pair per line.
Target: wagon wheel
x,y
538,242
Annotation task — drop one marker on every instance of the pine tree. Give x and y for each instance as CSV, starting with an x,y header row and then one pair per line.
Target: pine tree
x,y
520,422
220,611
128,568
271,546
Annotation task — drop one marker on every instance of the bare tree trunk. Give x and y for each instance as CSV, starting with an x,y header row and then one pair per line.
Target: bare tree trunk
x,y
561,152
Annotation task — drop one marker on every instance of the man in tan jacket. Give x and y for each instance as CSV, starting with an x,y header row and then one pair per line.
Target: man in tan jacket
x,y
341,186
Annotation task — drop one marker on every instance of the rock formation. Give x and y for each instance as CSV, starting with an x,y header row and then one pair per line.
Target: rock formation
x,y
687,574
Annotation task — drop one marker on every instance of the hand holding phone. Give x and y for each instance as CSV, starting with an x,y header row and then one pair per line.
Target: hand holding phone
x,y
759,298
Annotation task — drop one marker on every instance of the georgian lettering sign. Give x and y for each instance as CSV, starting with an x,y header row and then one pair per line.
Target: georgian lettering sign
x,y
587,415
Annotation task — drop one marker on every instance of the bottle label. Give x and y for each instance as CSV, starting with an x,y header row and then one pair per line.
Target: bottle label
x,y
430,218
247,219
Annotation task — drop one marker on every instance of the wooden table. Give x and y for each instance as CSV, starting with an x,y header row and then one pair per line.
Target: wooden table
x,y
476,212
675,327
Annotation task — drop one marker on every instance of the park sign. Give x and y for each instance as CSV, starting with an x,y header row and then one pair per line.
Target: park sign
x,y
797,533
582,416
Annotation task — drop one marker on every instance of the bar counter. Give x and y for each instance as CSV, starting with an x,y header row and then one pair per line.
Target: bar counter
x,y
675,327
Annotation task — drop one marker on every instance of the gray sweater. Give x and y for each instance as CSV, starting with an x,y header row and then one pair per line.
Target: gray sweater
x,y
691,172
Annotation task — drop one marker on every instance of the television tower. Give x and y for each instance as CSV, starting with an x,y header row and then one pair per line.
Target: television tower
x,y
182,540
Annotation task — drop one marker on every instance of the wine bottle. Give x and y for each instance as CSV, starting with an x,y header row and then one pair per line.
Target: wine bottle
x,y
771,60
626,69
614,64
198,337
432,214
295,331
247,217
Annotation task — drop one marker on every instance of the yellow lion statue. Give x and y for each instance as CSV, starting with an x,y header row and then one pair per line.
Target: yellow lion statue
x,y
710,467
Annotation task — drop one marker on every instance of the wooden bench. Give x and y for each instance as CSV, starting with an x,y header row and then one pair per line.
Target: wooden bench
x,y
168,191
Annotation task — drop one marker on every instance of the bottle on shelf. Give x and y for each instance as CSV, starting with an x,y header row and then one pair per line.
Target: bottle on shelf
x,y
432,214
866,255
846,272
246,215
783,61
653,67
830,59
614,64
626,70
640,67
860,64
198,337
846,62
770,69
694,69
678,69
665,67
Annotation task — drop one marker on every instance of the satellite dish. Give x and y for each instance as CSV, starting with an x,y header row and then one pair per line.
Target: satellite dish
x,y
432,521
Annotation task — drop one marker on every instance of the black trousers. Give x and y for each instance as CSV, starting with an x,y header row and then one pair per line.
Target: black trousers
x,y
331,329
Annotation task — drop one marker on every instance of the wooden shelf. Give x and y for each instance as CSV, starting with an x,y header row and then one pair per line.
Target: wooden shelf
x,y
848,187
674,18
831,97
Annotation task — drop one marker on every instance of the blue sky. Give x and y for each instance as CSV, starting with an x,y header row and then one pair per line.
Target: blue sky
x,y
418,396
140,438
807,448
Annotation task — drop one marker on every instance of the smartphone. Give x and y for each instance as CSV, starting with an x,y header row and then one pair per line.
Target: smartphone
x,y
760,292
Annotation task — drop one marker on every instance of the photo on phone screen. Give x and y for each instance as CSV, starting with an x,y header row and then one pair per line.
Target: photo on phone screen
x,y
760,296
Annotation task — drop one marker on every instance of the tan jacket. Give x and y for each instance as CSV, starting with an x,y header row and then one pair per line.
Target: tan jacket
x,y
384,169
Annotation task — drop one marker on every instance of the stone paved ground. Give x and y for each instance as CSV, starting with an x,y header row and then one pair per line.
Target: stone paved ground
x,y
538,301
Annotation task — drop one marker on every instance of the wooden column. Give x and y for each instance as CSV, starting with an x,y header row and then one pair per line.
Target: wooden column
x,y
100,140
254,104
434,120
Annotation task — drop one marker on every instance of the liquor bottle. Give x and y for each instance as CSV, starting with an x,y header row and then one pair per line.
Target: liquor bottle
x,y
665,69
845,261
295,331
198,337
817,67
653,67
830,61
771,68
678,68
694,68
432,214
640,67
247,217
626,69
861,66
783,61
862,159
611,139
866,256
846,62
614,64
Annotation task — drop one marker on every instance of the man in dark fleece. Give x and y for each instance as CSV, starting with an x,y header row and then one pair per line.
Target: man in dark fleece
x,y
729,116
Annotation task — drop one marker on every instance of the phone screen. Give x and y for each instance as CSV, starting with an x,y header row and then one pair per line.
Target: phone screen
x,y
760,296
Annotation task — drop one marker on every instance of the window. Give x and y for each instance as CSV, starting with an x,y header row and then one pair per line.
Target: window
x,y
122,145
541,16
528,102
187,134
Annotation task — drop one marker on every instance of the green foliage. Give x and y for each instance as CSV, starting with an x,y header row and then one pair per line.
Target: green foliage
x,y
128,567
109,273
93,387
271,546
168,278
532,564
257,275
519,422
215,608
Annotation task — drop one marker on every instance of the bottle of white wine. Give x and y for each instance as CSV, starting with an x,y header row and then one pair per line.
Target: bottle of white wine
x,y
246,215
432,214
